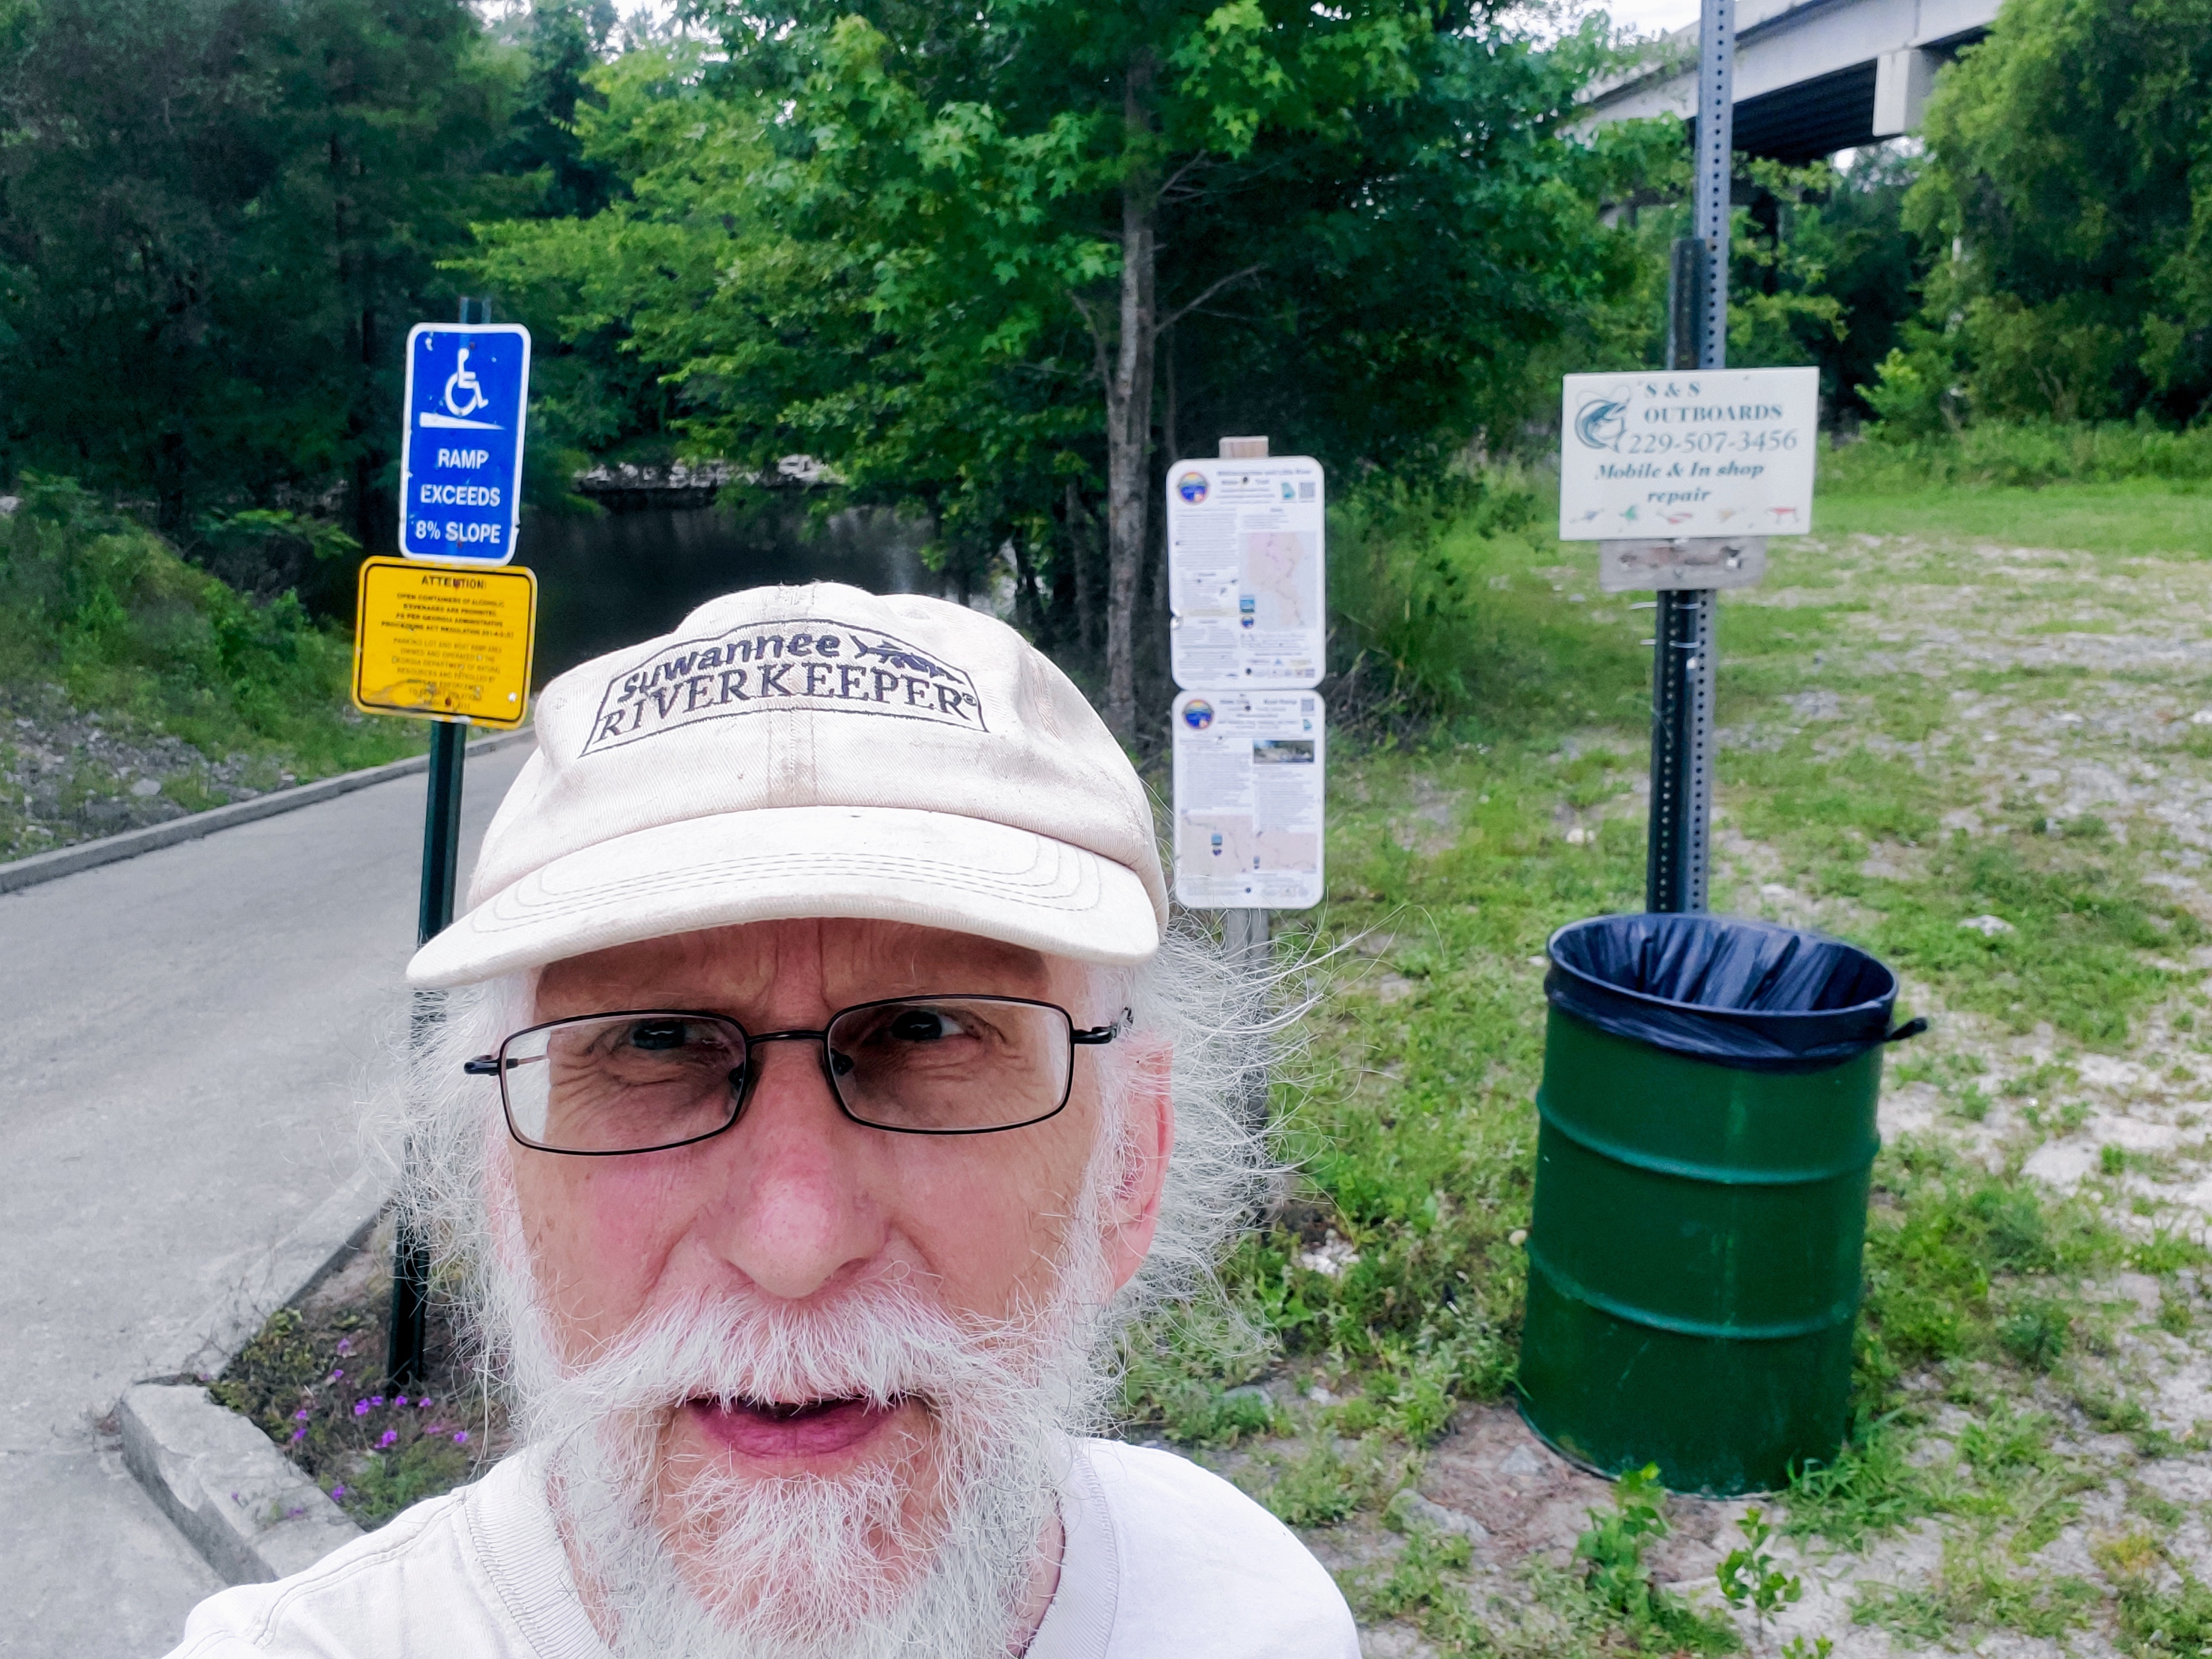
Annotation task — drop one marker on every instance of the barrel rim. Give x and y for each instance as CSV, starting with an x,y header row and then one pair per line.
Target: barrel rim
x,y
1756,924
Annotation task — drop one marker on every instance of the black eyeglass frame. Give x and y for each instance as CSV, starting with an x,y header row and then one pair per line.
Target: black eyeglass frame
x,y
497,1065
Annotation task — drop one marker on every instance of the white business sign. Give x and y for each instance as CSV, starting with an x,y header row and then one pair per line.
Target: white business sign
x,y
1719,451
1248,767
1246,585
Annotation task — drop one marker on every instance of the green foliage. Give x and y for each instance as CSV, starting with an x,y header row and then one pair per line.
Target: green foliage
x,y
1974,1592
1427,1584
2165,1609
1319,1485
1946,1243
1612,1549
93,601
1869,1488
1439,617
1615,1583
1998,454
2062,195
1748,1576
310,1379
217,220
895,243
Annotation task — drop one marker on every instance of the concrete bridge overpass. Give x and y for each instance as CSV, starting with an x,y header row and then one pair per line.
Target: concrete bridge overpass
x,y
1812,77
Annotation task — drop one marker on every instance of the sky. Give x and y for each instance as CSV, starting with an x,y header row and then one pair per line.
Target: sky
x,y
1652,16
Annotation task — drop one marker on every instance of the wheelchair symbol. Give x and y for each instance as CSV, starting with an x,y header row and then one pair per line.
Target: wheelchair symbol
x,y
461,381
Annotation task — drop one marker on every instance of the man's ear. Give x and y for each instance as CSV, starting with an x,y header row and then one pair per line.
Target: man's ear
x,y
1133,1208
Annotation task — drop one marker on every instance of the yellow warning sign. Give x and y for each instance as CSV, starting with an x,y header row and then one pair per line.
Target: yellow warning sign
x,y
439,640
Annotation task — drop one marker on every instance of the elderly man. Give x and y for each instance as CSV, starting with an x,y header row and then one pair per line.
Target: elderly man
x,y
821,1088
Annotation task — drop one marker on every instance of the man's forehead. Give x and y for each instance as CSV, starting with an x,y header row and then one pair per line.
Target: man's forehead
x,y
851,960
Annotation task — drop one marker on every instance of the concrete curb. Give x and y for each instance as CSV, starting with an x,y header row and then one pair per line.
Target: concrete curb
x,y
109,849
244,1506
293,1266
239,1500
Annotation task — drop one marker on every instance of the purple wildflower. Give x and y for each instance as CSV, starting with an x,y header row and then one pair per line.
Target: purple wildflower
x,y
298,1435
361,1408
300,1415
335,1376
460,1437
400,1401
337,1492
376,1399
345,1345
389,1439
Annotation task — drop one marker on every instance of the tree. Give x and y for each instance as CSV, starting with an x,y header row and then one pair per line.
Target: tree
x,y
943,249
2066,201
217,219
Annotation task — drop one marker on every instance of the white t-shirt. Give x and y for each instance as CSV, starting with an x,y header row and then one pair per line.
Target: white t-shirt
x,y
1162,1558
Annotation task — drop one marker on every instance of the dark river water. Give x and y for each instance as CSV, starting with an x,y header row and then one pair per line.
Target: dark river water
x,y
620,578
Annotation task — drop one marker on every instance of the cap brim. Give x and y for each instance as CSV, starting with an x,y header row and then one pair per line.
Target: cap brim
x,y
887,864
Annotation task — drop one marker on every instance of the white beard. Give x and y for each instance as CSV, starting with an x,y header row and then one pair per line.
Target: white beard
x,y
928,1549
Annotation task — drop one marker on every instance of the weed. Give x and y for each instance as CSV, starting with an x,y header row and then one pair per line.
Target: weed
x,y
1423,1585
1869,1488
1319,1485
2034,1333
2157,1620
1748,1576
1612,1549
2168,1251
1974,1592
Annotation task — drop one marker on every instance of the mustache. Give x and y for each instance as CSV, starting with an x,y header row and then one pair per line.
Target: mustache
x,y
876,1343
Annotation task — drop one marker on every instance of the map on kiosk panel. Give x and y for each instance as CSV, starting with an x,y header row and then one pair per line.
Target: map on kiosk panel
x,y
1249,769
1695,452
1245,552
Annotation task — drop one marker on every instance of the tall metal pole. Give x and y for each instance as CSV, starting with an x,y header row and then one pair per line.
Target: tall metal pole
x,y
407,1337
1244,933
1679,861
441,858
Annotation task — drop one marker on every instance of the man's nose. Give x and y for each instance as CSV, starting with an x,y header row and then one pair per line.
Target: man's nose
x,y
800,1209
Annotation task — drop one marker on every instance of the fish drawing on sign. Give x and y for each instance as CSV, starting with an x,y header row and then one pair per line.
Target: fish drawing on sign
x,y
1601,424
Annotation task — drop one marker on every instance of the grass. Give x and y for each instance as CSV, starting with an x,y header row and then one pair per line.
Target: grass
x,y
124,630
1899,725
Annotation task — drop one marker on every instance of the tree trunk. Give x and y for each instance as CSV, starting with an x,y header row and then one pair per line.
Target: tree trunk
x,y
1080,576
1129,417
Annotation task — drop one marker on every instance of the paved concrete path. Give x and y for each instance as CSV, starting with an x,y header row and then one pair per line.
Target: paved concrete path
x,y
185,1039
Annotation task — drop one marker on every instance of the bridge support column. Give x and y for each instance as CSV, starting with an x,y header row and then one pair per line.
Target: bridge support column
x,y
1902,80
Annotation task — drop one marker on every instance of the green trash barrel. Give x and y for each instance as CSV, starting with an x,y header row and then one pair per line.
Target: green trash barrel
x,y
1706,1131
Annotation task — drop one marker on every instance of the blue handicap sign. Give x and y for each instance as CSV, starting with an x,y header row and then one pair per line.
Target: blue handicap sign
x,y
460,463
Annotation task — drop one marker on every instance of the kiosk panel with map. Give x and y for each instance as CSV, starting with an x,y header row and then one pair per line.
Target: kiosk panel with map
x,y
1248,793
1245,585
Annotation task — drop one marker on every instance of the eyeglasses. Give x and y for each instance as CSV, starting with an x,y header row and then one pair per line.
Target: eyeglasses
x,y
604,1084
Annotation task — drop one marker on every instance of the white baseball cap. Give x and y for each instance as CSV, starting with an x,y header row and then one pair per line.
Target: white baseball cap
x,y
814,751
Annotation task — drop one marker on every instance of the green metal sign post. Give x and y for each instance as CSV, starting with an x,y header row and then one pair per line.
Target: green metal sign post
x,y
442,856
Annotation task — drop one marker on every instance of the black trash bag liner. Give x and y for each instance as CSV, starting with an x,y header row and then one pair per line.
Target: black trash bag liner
x,y
1723,988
